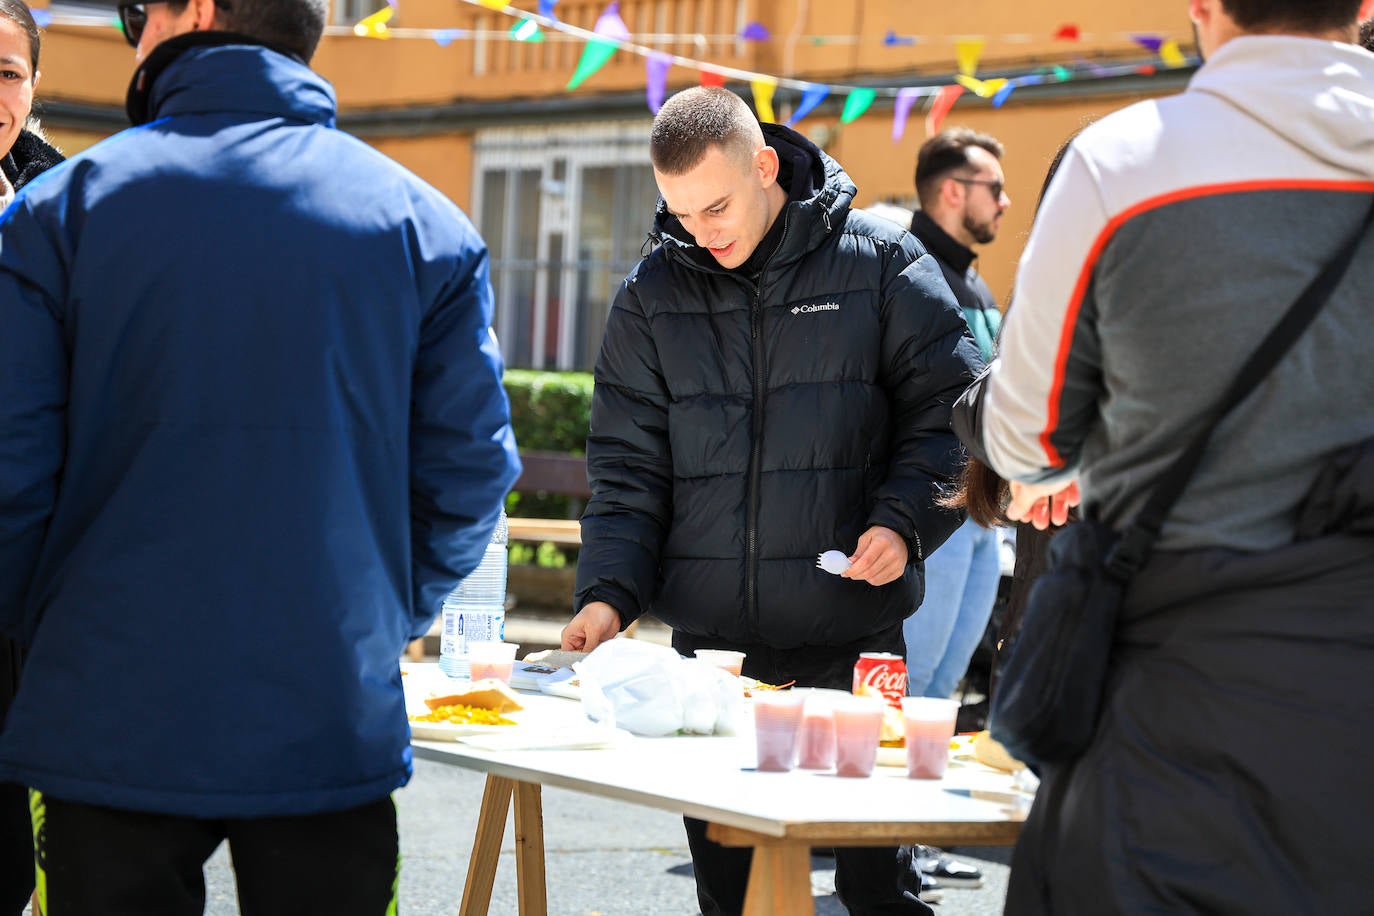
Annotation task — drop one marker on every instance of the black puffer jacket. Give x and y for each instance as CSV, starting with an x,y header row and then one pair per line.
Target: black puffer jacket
x,y
740,429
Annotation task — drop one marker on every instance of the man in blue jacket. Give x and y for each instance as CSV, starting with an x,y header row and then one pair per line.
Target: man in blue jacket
x,y
251,431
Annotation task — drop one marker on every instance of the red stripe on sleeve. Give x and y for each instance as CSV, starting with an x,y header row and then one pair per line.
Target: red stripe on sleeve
x,y
1080,290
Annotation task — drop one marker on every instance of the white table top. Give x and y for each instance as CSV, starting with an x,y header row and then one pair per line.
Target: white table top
x,y
712,778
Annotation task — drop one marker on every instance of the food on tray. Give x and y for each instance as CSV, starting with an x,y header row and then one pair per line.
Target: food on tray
x,y
556,658
488,693
893,733
987,750
463,715
750,685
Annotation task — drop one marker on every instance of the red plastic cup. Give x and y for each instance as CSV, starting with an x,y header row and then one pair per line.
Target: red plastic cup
x,y
491,659
929,725
817,750
777,726
858,727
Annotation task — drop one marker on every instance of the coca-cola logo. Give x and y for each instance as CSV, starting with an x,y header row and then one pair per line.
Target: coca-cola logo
x,y
885,680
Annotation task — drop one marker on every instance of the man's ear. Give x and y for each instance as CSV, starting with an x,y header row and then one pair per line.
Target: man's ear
x,y
203,15
951,192
766,166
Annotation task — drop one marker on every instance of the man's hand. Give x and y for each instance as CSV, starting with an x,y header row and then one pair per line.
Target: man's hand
x,y
880,557
593,625
1042,504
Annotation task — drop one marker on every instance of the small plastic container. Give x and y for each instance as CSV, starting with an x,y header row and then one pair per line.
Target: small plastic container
x,y
728,659
492,659
777,726
929,725
858,728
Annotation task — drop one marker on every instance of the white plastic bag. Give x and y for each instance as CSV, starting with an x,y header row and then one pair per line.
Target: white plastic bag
x,y
650,690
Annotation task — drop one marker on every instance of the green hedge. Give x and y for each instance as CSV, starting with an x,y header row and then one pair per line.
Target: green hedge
x,y
551,412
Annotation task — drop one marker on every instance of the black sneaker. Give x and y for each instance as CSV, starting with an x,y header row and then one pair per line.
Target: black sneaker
x,y
949,872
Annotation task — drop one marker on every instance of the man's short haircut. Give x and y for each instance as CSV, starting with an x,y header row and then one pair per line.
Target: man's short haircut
x,y
944,153
292,25
1292,15
1367,34
693,121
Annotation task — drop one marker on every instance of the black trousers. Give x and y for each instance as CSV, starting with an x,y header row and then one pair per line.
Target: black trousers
x,y
16,833
870,881
125,863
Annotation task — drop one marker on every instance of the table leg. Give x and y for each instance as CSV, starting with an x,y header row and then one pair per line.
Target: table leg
x,y
486,846
780,881
529,849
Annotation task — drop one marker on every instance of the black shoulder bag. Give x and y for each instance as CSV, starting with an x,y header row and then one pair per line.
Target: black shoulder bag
x,y
1049,695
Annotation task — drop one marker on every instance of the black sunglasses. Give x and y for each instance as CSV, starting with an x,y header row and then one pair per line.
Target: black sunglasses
x,y
133,18
994,186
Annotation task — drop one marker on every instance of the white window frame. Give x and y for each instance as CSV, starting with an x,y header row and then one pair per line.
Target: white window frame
x,y
512,149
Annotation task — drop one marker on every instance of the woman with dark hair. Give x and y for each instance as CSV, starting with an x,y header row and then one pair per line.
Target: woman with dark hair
x,y
23,155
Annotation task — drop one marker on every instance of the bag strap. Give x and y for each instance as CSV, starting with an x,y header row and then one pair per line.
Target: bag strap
x,y
1132,549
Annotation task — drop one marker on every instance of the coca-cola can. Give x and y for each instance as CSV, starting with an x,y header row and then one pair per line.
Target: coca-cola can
x,y
884,673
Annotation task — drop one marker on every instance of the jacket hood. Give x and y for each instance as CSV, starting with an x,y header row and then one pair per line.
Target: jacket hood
x,y
811,217
219,72
1317,94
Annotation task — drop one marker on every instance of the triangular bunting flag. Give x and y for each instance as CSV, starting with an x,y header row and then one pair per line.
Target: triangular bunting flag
x,y
857,104
812,96
944,101
968,51
763,97
656,67
901,108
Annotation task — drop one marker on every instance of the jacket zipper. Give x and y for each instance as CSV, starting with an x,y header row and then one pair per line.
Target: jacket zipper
x,y
751,560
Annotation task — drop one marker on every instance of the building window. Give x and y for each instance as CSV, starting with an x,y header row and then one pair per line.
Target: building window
x,y
565,211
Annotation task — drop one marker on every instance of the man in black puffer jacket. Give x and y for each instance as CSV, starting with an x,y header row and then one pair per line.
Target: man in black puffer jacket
x,y
775,381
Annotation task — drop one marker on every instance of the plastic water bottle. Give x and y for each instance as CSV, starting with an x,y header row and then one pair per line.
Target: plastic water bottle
x,y
476,609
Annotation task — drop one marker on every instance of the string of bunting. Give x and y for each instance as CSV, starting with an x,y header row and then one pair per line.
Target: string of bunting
x,y
610,34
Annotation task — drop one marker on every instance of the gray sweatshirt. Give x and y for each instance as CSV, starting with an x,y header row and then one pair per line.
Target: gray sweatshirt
x,y
1175,235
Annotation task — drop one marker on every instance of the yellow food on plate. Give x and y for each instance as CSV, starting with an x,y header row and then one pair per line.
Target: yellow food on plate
x,y
488,693
987,750
463,715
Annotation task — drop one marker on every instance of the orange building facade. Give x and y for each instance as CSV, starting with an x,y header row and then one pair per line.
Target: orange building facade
x,y
559,182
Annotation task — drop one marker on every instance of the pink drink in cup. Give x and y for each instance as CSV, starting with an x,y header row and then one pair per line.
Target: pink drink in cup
x,y
858,727
777,725
929,723
491,659
818,729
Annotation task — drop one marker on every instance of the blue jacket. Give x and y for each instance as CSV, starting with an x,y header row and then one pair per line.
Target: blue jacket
x,y
251,431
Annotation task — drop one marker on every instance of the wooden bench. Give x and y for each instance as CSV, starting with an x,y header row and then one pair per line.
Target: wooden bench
x,y
557,474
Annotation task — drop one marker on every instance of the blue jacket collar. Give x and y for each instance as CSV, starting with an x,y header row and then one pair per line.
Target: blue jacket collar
x,y
220,72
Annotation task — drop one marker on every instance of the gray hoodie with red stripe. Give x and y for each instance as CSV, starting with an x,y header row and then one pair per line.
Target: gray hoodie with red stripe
x,y
1174,236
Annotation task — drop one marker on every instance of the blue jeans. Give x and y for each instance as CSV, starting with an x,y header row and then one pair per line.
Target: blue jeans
x,y
961,586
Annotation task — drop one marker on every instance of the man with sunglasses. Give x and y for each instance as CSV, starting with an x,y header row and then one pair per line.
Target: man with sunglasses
x,y
251,431
959,183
